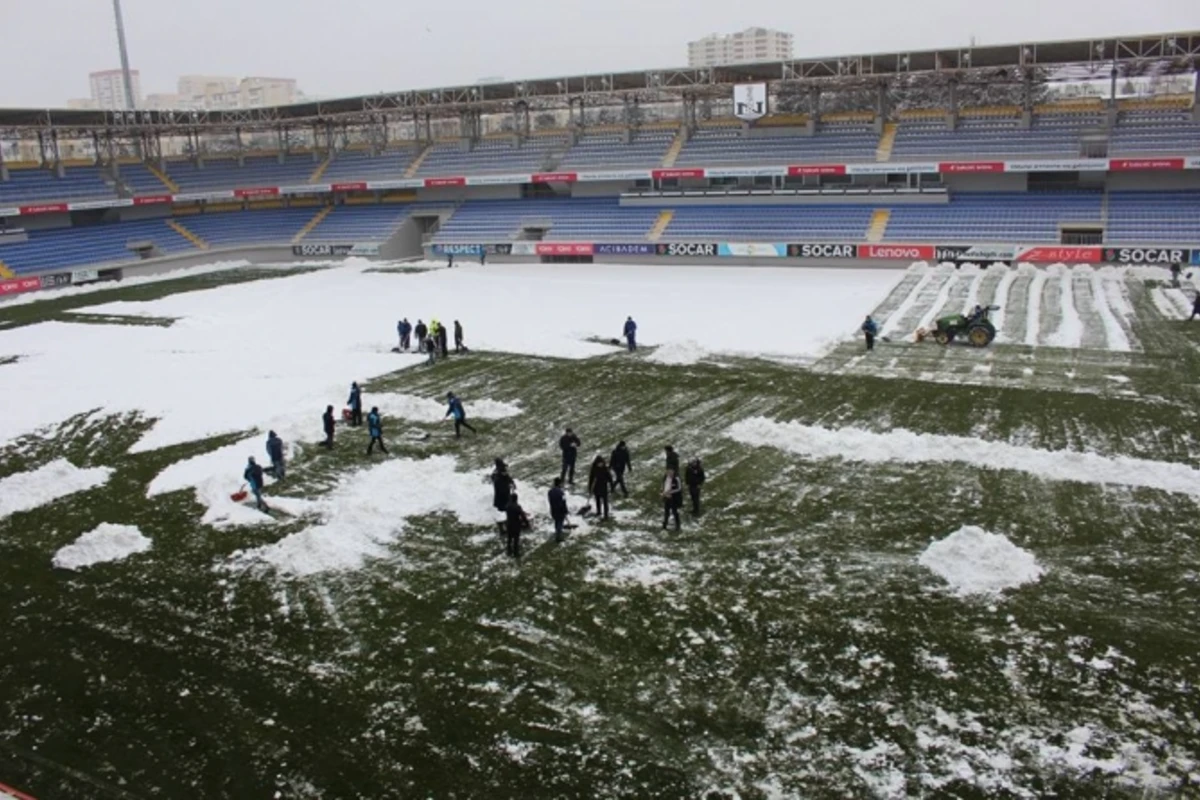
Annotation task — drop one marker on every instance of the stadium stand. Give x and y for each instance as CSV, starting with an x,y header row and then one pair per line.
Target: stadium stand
x,y
611,152
354,224
1149,132
724,146
218,174
995,216
591,219
490,156
140,180
92,244
770,223
41,185
1057,137
360,165
267,226
1153,217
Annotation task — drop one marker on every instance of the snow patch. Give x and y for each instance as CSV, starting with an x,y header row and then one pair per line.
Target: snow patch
x,y
678,353
368,512
106,543
974,562
42,486
907,447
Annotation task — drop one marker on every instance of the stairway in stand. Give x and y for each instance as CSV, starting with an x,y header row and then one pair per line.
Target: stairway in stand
x,y
312,223
674,150
660,225
164,177
185,233
886,142
416,162
320,170
879,223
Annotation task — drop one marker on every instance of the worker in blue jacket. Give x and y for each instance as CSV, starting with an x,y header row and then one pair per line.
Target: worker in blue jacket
x,y
375,428
355,402
459,413
870,330
631,333
254,478
275,453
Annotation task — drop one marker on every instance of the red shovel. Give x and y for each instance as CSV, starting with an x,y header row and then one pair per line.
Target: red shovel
x,y
240,495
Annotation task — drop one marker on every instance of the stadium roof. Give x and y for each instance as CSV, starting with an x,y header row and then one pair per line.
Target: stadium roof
x,y
1181,48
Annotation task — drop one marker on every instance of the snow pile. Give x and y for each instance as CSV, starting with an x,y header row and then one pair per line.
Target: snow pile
x,y
908,447
44,485
678,353
218,474
366,514
137,280
106,543
419,409
300,340
974,561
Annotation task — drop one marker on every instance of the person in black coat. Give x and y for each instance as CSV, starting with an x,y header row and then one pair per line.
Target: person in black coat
x,y
694,478
558,508
443,348
569,444
275,453
458,337
619,462
503,485
672,495
672,459
355,403
422,332
599,482
327,424
514,522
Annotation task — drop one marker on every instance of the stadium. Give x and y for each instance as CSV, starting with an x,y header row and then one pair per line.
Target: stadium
x,y
948,551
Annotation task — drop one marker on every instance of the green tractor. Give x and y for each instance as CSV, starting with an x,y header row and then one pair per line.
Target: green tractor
x,y
977,327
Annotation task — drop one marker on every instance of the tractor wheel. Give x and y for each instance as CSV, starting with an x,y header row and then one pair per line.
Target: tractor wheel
x,y
979,336
943,337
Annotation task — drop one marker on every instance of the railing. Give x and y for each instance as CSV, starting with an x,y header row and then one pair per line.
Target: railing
x,y
825,191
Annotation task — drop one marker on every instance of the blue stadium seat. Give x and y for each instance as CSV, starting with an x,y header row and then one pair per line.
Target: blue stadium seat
x,y
26,186
67,248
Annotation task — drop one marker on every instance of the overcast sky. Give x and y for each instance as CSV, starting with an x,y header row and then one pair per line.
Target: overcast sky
x,y
351,47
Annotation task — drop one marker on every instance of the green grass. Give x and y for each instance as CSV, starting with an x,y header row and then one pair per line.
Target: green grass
x,y
792,631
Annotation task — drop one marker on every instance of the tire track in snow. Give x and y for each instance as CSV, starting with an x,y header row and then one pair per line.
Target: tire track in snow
x,y
1114,336
1000,298
1033,306
939,302
905,306
973,290
905,319
1069,332
1092,328
1117,293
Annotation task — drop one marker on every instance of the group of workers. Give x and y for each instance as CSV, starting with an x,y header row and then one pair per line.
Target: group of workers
x,y
432,339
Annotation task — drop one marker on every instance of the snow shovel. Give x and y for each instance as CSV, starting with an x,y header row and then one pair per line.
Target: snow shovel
x,y
240,495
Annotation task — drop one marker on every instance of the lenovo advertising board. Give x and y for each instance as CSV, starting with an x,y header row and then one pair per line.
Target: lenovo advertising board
x,y
750,101
897,252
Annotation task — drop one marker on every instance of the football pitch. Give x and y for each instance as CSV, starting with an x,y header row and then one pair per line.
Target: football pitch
x,y
370,639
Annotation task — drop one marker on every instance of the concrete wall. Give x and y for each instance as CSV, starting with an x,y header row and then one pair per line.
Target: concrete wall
x,y
988,182
405,243
600,188
877,200
1121,181
454,194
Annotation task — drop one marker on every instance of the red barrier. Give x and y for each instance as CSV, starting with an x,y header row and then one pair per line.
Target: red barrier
x,y
1127,164
970,166
693,172
431,183
152,200
1052,254
257,191
20,285
44,208
816,169
565,248
554,177
349,187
